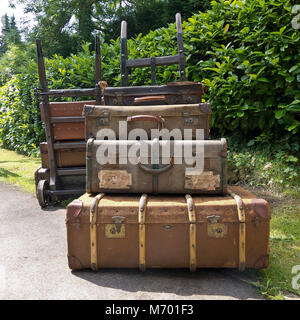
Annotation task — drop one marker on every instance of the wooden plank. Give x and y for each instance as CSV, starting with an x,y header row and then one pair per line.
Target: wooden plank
x,y
159,61
124,55
65,192
69,92
46,112
66,119
71,171
180,48
69,145
98,70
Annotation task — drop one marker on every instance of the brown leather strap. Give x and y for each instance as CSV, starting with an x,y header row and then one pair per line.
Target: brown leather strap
x,y
142,231
93,231
192,233
242,229
146,99
146,117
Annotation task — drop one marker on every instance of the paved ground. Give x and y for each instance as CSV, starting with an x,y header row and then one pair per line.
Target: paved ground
x,y
33,264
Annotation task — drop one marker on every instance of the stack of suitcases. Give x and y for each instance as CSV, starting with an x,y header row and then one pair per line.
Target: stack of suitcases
x,y
149,208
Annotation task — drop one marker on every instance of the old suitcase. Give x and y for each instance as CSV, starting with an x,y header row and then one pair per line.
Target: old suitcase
x,y
65,157
130,231
184,116
67,120
172,93
157,166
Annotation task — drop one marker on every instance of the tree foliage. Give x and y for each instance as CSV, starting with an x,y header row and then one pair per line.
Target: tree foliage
x,y
63,25
10,34
246,52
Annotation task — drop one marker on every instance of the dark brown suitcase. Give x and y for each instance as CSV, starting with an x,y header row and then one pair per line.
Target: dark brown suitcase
x,y
172,173
130,231
172,93
186,116
67,120
64,157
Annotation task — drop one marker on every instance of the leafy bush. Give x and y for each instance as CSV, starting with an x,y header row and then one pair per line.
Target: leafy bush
x,y
246,52
20,123
273,169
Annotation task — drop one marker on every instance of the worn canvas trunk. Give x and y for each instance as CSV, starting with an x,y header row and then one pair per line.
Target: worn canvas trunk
x,y
122,120
64,157
131,231
157,166
171,93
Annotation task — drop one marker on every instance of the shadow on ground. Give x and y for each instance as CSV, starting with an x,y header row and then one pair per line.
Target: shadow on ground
x,y
6,173
208,282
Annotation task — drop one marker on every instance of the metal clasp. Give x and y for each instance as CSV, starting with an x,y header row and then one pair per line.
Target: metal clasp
x,y
213,219
118,220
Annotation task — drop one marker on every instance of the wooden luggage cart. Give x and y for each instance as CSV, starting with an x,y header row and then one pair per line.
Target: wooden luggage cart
x,y
153,61
181,92
51,183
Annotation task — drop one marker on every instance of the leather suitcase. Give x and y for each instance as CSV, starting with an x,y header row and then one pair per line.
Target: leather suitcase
x,y
67,120
185,116
172,172
64,157
131,231
172,93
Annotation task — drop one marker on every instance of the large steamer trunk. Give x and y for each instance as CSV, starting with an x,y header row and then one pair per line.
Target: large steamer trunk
x,y
134,231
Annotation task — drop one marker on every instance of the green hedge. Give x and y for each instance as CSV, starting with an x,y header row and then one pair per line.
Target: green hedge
x,y
246,52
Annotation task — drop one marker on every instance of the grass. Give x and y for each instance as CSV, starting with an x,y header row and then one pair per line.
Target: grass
x,y
18,169
274,282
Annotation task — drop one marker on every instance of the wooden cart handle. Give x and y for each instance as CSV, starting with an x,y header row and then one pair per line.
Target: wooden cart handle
x,y
146,117
146,99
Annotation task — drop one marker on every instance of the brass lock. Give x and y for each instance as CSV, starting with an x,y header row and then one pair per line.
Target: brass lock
x,y
216,229
116,230
118,220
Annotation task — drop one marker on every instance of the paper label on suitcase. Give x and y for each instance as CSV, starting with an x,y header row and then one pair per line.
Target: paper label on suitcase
x,y
114,179
203,181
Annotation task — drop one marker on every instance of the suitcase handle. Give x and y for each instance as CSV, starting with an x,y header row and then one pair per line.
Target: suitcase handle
x,y
146,117
156,171
146,99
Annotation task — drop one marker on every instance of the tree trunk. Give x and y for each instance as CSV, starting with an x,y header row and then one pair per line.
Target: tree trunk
x,y
85,26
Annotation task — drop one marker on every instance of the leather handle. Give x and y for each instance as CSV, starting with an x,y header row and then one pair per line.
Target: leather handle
x,y
161,98
156,171
146,117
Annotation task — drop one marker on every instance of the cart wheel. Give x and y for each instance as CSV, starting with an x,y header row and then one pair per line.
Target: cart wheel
x,y
41,194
